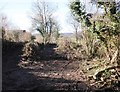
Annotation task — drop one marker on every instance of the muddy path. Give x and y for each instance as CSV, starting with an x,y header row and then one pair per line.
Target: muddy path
x,y
49,74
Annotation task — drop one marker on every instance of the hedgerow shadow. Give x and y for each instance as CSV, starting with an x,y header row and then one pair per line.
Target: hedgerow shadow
x,y
19,78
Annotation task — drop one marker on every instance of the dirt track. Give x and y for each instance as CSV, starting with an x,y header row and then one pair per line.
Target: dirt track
x,y
41,75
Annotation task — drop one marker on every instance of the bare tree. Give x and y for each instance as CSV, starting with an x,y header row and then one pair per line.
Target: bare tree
x,y
43,20
76,26
3,24
56,29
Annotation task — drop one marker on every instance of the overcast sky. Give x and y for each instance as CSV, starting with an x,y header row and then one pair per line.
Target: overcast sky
x,y
18,12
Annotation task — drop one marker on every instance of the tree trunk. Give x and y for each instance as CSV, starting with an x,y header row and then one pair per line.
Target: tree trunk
x,y
3,33
76,34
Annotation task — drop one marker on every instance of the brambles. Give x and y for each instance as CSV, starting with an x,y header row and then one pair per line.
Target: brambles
x,y
29,51
70,50
100,73
104,28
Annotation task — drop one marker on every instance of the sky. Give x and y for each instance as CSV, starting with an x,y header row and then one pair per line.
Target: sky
x,y
18,12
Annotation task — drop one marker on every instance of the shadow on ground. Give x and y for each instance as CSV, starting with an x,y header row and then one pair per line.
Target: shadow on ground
x,y
15,77
47,52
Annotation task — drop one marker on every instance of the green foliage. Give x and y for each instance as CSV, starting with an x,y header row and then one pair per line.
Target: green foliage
x,y
106,29
79,12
